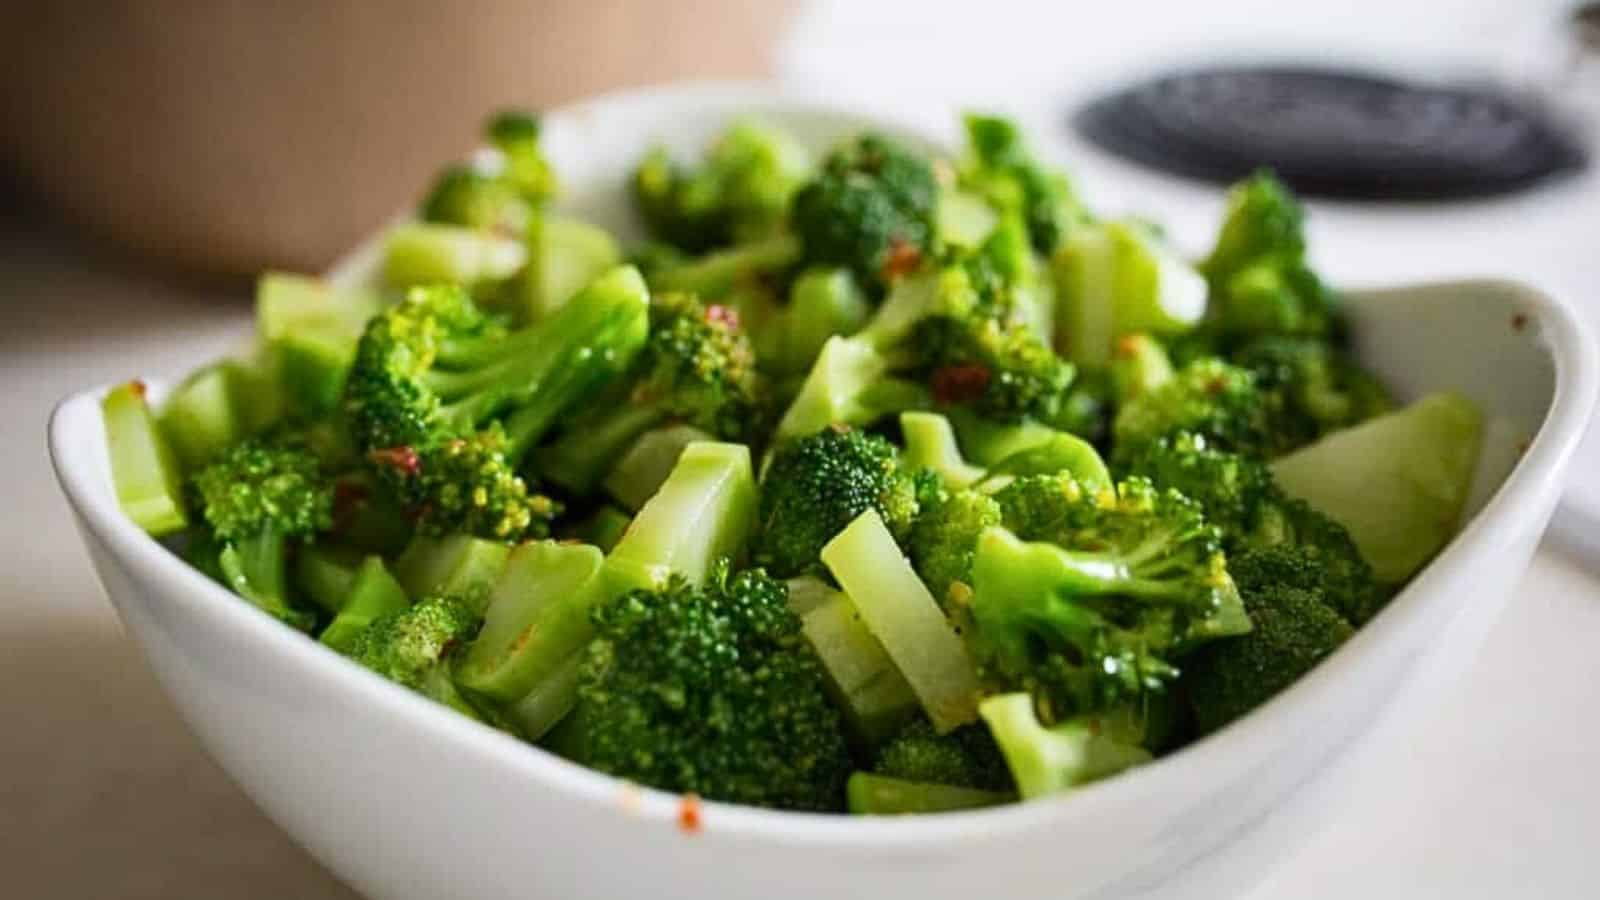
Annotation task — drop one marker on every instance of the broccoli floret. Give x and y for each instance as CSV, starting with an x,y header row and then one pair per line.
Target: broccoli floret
x,y
944,538
1001,170
416,647
1046,757
258,498
1262,527
1094,613
966,757
500,191
740,193
1001,370
1292,631
1210,398
1319,388
435,381
712,690
871,208
1260,283
697,367
817,485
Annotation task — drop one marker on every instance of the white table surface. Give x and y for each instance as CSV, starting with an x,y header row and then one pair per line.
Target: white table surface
x,y
103,793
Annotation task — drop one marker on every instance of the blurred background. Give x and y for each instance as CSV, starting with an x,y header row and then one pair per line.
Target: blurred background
x,y
156,154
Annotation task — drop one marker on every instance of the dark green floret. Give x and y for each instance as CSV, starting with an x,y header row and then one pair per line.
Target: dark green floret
x,y
966,757
259,498
417,646
712,690
871,208
817,485
1219,402
1004,172
499,194
1318,387
944,538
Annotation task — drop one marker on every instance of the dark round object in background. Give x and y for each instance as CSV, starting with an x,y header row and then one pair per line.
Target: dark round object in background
x,y
1332,133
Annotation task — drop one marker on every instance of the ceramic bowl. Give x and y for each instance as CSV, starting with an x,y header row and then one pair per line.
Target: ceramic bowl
x,y
405,799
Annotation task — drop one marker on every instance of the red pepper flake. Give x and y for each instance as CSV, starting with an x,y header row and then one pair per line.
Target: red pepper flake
x,y
347,497
725,315
137,387
1125,347
689,814
902,259
401,459
959,384
1519,322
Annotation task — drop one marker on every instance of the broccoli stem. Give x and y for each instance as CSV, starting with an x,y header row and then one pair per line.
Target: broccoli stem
x,y
715,273
880,795
537,616
563,256
550,701
706,510
603,528
459,565
325,575
580,457
823,302
645,467
900,612
201,417
373,593
848,384
931,444
419,253
257,569
862,679
1045,760
143,468
1117,278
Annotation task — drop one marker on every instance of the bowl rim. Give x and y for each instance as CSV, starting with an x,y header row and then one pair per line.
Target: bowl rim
x,y
74,431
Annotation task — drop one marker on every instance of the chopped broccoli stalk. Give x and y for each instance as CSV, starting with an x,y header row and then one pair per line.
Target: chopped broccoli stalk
x,y
414,648
862,680
1118,278
603,528
848,385
564,255
872,207
537,618
287,303
964,218
818,484
807,592
967,757
705,511
645,467
677,691
259,392
418,253
1398,482
325,574
144,470
931,444
541,711
459,565
720,272
1293,631
1045,759
586,450
740,193
880,795
900,612
373,594
1139,365
314,365
258,498
1091,606
986,443
1061,453
201,416
823,302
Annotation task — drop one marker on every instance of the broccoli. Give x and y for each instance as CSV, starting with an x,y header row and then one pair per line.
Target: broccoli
x,y
872,208
144,469
1219,402
817,485
416,647
1319,388
741,192
882,795
697,367
966,757
712,690
944,538
1292,631
445,403
1139,365
1001,170
500,191
258,498
1046,757
1261,525
1129,579
1259,281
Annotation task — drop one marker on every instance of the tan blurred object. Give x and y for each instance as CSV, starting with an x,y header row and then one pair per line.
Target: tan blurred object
x,y
232,136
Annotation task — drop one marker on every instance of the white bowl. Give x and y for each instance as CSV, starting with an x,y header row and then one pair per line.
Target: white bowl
x,y
405,799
